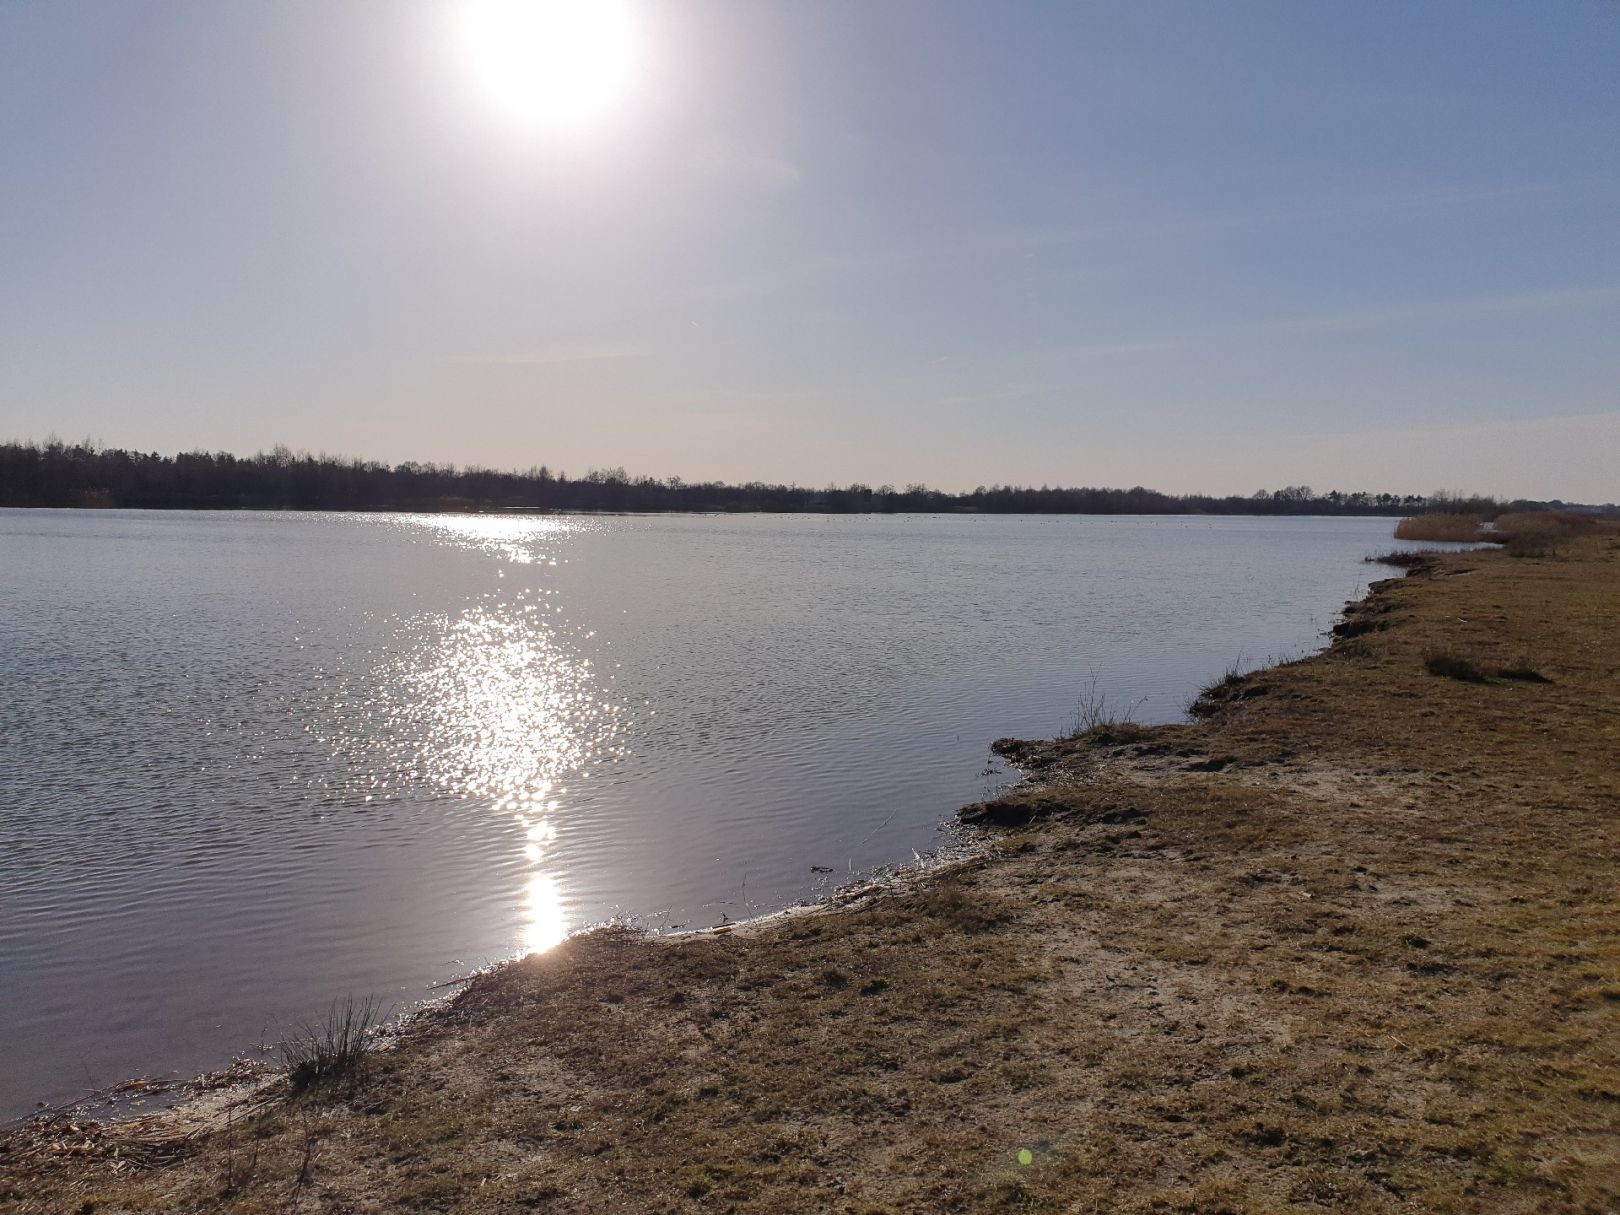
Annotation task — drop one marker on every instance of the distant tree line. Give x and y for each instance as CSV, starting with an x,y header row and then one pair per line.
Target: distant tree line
x,y
90,475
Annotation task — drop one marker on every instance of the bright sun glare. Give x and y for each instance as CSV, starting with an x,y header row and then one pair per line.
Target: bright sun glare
x,y
558,64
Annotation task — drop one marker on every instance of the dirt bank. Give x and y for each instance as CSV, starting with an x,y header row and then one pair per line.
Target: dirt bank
x,y
1351,943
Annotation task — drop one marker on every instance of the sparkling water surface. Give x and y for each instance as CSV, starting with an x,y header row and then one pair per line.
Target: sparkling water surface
x,y
253,762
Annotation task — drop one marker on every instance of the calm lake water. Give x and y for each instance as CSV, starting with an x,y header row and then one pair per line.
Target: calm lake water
x,y
253,762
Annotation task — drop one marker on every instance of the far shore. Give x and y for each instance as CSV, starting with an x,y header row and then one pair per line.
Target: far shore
x,y
89,475
1347,942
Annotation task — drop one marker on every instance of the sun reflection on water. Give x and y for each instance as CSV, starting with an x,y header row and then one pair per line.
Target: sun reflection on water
x,y
523,539
491,704
513,714
544,922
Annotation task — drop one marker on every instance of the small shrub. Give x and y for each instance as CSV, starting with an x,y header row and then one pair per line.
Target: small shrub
x,y
1530,544
1440,662
318,1053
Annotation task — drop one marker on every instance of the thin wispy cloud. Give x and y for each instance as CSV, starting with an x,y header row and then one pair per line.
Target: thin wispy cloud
x,y
1030,241
1443,310
1358,320
750,167
551,356
1068,373
768,172
1606,423
1033,239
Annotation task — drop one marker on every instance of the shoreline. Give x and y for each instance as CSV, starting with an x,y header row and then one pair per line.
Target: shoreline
x,y
1342,944
208,1094
524,512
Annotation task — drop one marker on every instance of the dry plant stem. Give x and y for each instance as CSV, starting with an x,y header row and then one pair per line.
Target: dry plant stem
x,y
1352,943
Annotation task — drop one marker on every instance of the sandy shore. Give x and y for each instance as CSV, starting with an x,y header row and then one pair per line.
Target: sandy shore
x,y
1352,943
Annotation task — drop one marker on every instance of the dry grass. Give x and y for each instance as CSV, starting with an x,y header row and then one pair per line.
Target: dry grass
x,y
1353,943
1440,526
1233,684
333,1050
1094,713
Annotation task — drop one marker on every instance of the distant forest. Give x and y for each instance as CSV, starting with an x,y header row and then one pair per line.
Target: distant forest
x,y
88,475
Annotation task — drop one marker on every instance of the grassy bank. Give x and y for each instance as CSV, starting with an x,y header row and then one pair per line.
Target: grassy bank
x,y
1351,942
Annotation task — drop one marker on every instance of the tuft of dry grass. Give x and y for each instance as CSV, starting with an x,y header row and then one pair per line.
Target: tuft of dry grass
x,y
1452,666
321,1053
1234,684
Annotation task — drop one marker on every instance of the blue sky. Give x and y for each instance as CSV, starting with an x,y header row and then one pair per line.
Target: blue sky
x,y
1193,246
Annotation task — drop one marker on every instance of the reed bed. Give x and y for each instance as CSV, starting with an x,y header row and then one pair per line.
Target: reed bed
x,y
1458,529
1550,524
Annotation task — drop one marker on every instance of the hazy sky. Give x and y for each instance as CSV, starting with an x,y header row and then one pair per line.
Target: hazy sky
x,y
1211,246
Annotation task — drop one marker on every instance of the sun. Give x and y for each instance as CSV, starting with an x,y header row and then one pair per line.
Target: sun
x,y
563,65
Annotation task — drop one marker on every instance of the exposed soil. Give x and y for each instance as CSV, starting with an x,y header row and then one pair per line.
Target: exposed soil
x,y
1352,942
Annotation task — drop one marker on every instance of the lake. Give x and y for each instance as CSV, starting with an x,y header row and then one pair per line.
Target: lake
x,y
250,763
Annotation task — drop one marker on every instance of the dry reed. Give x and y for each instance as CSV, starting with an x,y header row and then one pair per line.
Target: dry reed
x,y
1443,527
